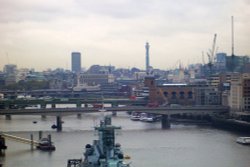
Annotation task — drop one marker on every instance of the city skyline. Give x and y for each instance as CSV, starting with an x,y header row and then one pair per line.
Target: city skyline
x,y
42,34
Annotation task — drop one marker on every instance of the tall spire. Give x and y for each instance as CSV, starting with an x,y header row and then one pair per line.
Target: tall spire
x,y
147,57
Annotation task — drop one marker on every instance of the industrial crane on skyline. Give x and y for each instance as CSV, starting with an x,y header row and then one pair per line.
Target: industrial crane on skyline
x,y
211,54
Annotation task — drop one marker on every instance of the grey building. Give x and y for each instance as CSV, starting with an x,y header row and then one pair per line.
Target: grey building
x,y
10,69
207,96
76,62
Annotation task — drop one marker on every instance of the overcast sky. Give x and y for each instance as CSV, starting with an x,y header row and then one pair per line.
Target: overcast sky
x,y
41,34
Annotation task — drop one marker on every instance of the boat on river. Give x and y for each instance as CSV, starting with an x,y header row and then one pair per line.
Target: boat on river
x,y
147,117
135,116
104,152
243,140
45,144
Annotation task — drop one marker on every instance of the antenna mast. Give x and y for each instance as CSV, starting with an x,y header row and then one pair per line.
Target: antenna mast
x,y
232,36
7,56
233,63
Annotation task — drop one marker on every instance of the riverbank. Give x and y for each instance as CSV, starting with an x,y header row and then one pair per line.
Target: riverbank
x,y
231,124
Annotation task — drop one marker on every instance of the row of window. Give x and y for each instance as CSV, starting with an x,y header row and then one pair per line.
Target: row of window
x,y
182,95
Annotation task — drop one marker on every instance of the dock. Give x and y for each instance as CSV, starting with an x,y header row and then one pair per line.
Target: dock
x,y
44,144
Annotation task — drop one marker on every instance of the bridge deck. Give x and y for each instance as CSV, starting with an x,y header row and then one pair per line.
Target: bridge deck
x,y
157,110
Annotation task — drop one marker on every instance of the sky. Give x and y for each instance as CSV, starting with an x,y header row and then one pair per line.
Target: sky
x,y
41,34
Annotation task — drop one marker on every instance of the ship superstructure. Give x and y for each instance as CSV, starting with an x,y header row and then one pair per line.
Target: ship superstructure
x,y
103,152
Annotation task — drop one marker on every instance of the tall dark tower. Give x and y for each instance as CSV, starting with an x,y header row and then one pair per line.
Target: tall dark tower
x,y
147,57
76,62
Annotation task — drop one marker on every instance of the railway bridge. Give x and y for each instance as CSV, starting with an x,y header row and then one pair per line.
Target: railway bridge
x,y
166,112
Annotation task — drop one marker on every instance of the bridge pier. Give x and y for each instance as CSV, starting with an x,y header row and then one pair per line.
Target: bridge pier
x,y
79,115
32,142
79,105
59,123
43,106
53,105
40,135
165,123
8,117
3,146
114,113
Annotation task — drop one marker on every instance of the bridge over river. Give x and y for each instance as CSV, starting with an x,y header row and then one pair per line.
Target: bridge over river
x,y
78,102
166,112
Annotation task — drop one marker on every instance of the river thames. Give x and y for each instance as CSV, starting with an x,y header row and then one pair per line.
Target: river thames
x,y
146,143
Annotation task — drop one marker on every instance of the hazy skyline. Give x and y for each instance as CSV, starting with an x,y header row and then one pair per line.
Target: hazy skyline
x,y
42,34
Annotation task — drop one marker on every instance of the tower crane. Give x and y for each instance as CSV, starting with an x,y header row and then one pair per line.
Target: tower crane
x,y
203,58
212,53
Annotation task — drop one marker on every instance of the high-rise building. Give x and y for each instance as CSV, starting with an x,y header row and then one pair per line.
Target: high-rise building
x,y
147,57
10,69
76,62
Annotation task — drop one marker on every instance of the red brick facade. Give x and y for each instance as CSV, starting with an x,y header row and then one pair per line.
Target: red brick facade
x,y
170,94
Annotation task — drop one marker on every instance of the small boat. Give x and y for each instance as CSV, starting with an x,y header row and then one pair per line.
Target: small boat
x,y
45,144
146,117
243,140
135,116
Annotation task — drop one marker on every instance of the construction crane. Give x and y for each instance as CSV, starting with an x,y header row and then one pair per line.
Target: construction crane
x,y
203,58
211,54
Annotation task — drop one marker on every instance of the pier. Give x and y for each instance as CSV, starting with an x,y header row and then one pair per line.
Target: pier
x,y
44,144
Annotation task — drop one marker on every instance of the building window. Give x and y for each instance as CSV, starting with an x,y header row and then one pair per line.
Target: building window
x,y
182,95
190,95
173,95
165,94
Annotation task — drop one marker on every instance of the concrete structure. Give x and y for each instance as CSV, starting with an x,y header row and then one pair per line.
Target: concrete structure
x,y
235,98
166,112
11,74
10,69
11,79
239,99
23,73
220,81
220,64
94,79
207,96
246,91
140,75
76,62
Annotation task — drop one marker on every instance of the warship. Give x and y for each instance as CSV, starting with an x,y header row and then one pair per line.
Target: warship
x,y
104,152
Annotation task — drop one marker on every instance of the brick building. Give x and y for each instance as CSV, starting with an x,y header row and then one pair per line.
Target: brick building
x,y
182,94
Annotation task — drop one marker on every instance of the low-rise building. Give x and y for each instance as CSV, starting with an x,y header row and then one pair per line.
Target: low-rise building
x,y
94,79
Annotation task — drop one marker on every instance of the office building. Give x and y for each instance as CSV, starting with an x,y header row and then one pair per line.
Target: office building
x,y
76,62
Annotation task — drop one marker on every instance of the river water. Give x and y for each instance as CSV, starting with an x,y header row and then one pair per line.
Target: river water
x,y
146,143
